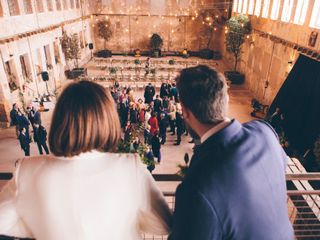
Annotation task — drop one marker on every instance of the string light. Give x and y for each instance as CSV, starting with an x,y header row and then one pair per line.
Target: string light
x,y
193,18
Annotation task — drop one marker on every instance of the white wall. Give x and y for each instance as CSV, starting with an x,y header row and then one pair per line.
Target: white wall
x,y
33,46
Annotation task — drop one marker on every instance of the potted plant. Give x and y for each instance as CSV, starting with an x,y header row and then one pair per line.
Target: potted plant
x,y
237,28
206,32
113,71
184,53
71,50
104,31
184,168
171,62
137,52
156,43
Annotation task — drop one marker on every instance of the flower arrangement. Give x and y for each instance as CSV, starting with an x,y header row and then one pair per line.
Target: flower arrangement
x,y
171,62
137,62
184,168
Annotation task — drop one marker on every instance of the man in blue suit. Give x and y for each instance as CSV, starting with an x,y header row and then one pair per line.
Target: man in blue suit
x,y
235,186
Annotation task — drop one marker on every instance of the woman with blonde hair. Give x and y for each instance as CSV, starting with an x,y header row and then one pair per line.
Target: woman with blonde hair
x,y
85,191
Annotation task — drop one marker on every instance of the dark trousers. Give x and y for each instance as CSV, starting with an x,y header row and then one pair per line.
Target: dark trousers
x,y
163,137
26,151
179,137
172,126
44,146
157,154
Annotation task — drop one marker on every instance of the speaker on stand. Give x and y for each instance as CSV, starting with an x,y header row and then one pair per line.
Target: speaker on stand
x,y
45,78
90,45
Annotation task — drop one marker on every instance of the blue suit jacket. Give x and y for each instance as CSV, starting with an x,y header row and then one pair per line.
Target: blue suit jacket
x,y
235,187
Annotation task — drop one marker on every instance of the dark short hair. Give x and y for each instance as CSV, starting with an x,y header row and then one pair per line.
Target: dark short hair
x,y
84,119
203,91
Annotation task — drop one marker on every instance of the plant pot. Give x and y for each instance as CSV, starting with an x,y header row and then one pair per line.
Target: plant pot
x,y
76,72
156,53
206,54
104,53
235,77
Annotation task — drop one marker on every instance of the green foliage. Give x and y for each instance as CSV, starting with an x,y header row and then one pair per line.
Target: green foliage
x,y
156,41
316,150
70,47
171,62
206,33
184,168
127,147
238,27
104,30
113,70
153,71
137,62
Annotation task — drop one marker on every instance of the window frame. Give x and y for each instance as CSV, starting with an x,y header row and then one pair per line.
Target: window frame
x,y
287,11
315,15
265,9
257,8
301,12
251,6
275,10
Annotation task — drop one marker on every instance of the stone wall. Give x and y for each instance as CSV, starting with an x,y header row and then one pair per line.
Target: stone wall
x,y
266,60
40,51
131,32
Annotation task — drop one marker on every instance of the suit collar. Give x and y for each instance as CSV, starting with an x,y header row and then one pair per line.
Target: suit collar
x,y
224,135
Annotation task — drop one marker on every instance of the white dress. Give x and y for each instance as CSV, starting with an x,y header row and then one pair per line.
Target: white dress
x,y
91,196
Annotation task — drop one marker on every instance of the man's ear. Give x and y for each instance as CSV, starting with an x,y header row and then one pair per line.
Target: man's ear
x,y
185,112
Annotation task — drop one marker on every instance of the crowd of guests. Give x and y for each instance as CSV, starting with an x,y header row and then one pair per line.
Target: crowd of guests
x,y
155,116
23,121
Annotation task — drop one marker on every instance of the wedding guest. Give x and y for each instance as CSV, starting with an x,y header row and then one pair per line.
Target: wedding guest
x,y
84,191
24,141
40,137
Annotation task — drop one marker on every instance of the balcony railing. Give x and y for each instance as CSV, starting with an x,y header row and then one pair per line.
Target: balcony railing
x,y
303,202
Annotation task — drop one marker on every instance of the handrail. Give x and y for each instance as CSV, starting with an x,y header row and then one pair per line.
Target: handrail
x,y
177,178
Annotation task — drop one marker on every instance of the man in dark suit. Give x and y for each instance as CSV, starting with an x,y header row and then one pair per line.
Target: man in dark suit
x,y
235,186
14,118
157,104
149,93
40,137
24,141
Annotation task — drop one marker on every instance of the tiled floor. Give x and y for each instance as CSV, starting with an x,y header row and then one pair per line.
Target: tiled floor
x,y
239,108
